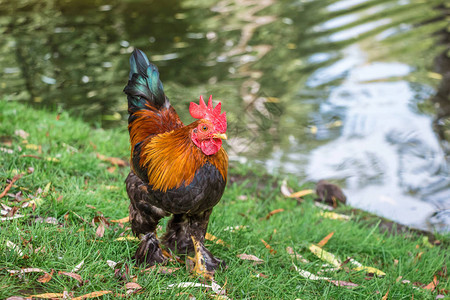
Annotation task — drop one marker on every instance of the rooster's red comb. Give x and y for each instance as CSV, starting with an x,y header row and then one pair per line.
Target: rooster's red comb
x,y
201,111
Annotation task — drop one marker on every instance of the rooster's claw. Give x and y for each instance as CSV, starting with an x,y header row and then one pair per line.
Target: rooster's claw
x,y
149,251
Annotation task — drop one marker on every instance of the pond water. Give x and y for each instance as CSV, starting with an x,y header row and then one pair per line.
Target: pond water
x,y
342,90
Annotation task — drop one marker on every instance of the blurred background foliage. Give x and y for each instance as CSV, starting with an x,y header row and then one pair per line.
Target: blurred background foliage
x,y
273,64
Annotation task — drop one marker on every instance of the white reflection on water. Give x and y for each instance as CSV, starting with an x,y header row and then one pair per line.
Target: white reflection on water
x,y
387,153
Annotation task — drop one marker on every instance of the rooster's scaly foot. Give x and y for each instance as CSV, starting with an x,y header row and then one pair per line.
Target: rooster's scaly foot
x,y
149,251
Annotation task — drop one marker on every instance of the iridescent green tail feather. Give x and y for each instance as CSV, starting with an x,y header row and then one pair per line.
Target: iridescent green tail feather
x,y
144,86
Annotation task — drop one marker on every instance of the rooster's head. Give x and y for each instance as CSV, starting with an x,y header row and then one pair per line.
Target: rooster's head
x,y
211,126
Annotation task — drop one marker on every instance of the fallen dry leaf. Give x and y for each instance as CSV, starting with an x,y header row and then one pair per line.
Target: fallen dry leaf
x,y
6,150
123,220
311,276
213,238
91,206
235,228
22,133
34,147
360,267
325,255
111,187
113,160
274,212
300,194
48,220
111,169
385,295
92,295
285,190
14,247
17,216
78,267
26,270
295,255
250,257
271,250
334,216
165,270
432,285
127,238
132,287
187,284
219,290
100,232
346,284
111,263
8,187
53,159
325,239
215,287
47,296
99,219
73,275
323,206
46,277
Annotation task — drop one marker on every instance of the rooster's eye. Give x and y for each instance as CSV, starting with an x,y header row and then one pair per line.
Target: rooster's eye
x,y
204,128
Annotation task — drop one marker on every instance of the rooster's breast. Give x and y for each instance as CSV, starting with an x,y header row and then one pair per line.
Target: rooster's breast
x,y
201,194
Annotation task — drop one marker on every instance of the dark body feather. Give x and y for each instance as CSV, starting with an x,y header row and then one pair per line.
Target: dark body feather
x,y
170,175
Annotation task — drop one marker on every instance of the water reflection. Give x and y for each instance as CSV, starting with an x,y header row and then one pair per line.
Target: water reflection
x,y
322,89
387,154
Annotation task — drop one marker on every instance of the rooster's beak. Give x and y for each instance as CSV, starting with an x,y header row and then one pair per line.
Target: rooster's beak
x,y
222,136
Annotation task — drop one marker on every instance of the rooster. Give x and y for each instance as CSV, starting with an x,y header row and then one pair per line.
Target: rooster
x,y
176,170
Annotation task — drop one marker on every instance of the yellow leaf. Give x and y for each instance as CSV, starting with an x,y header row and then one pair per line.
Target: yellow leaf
x,y
360,267
334,216
291,46
213,238
111,187
325,255
370,270
123,220
127,238
300,194
47,296
92,295
434,75
426,242
53,159
273,99
32,147
46,189
38,201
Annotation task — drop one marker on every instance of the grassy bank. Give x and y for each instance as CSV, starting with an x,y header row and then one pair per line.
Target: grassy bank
x,y
70,180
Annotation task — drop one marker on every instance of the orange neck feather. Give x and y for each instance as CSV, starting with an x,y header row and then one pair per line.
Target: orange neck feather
x,y
172,159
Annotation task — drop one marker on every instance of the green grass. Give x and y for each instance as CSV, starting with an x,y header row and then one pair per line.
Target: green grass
x,y
78,178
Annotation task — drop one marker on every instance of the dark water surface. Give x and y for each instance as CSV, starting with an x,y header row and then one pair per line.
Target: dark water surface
x,y
324,89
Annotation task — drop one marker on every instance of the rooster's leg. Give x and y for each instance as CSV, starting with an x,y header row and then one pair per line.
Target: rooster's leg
x,y
143,224
144,219
180,230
